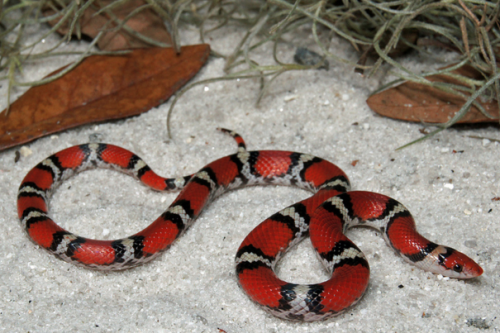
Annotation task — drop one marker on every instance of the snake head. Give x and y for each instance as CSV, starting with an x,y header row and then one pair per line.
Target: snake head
x,y
456,265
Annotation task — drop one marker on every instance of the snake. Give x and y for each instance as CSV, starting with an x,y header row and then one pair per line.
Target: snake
x,y
324,217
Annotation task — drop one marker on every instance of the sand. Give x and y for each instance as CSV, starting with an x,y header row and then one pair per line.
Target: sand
x,y
447,182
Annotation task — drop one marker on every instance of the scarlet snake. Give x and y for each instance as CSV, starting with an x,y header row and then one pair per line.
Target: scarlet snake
x,y
325,216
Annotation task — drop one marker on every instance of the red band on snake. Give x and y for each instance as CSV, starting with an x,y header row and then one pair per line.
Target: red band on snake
x,y
325,216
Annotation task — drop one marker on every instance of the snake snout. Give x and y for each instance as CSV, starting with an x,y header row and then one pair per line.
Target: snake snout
x,y
460,266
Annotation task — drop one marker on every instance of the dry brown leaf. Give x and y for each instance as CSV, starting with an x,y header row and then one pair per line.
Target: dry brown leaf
x,y
99,89
146,22
420,103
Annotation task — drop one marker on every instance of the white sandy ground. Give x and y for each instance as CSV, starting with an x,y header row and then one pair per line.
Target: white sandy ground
x,y
447,182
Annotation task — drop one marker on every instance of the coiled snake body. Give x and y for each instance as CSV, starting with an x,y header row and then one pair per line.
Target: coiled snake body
x,y
325,216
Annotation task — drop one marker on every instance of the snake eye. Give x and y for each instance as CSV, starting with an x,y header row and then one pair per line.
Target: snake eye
x,y
458,268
